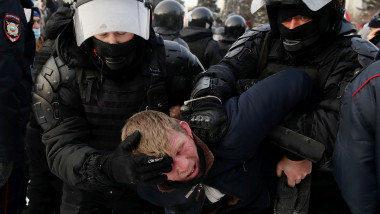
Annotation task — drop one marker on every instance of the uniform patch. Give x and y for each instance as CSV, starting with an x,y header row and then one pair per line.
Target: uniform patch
x,y
12,27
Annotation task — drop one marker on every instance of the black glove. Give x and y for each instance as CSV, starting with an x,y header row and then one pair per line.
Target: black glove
x,y
208,119
243,85
126,168
290,200
5,172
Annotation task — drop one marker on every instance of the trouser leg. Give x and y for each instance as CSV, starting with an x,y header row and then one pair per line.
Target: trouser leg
x,y
258,110
44,189
10,192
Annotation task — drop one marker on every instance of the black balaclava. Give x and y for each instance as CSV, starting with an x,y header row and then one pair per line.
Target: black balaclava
x,y
118,58
302,36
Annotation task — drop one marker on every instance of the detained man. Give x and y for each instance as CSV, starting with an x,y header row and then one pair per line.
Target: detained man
x,y
227,177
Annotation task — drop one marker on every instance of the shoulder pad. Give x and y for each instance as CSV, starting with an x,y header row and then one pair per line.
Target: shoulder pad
x,y
159,39
346,28
173,52
238,46
367,52
262,28
46,86
178,57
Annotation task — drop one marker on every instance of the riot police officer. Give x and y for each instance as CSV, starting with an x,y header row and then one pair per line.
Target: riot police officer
x,y
168,21
309,35
112,66
198,35
17,52
234,27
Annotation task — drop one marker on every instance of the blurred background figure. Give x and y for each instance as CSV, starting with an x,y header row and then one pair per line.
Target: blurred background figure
x,y
248,23
37,25
218,33
364,32
168,20
198,35
234,27
374,26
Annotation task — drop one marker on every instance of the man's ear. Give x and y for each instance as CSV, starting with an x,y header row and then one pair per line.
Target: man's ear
x,y
187,128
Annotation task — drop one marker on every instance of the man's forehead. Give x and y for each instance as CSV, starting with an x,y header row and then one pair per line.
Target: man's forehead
x,y
176,139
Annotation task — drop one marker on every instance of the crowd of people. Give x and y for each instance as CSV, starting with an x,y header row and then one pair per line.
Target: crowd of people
x,y
115,106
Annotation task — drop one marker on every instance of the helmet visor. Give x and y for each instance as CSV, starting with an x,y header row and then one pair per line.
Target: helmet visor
x,y
256,5
313,5
101,16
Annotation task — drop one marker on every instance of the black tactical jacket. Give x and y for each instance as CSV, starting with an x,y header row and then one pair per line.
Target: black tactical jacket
x,y
257,55
82,110
376,40
170,35
202,45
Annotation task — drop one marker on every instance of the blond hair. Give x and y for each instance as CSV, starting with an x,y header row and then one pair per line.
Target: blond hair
x,y
154,128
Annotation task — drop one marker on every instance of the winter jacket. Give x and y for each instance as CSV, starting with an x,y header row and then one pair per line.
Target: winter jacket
x,y
356,154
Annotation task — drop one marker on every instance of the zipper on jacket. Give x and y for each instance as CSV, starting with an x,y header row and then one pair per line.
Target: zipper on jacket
x,y
199,189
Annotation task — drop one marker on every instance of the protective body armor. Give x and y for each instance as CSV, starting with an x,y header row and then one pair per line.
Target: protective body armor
x,y
107,103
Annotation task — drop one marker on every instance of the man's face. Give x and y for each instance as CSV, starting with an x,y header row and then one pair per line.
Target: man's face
x,y
114,37
185,156
295,21
36,22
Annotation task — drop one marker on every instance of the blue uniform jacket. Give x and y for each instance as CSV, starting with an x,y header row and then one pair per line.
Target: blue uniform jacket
x,y
15,80
357,150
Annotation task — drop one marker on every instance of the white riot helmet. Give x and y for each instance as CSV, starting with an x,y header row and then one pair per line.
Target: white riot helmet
x,y
313,5
100,16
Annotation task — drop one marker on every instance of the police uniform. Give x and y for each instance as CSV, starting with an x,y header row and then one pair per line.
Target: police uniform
x,y
234,27
198,35
260,53
81,106
16,82
168,21
356,165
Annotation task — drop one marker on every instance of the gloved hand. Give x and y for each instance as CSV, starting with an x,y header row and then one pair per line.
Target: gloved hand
x,y
208,119
127,168
5,171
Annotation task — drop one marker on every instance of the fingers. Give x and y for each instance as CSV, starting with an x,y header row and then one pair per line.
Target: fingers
x,y
292,181
154,177
154,180
175,112
279,171
149,163
132,141
297,181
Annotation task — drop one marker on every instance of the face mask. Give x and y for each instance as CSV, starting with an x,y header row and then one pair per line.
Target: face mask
x,y
116,56
37,33
302,36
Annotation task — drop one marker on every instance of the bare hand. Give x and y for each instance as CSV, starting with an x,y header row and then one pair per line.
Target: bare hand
x,y
295,171
175,112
